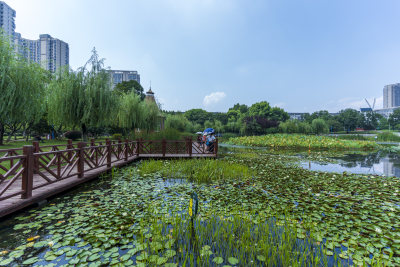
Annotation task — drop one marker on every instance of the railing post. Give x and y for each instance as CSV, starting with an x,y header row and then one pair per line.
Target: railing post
x,y
137,147
216,147
36,149
81,160
27,175
126,149
108,144
119,148
190,143
93,155
163,147
69,146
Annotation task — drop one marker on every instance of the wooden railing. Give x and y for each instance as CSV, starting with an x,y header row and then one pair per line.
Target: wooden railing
x,y
31,167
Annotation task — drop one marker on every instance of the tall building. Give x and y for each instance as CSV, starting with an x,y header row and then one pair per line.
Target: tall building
x,y
118,76
391,95
28,49
54,53
7,20
49,52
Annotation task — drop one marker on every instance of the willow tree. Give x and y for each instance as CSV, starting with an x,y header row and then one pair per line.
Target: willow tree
x,y
151,115
130,112
7,87
22,89
83,98
30,81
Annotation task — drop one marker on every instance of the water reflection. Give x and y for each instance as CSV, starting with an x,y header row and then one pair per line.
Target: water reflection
x,y
379,163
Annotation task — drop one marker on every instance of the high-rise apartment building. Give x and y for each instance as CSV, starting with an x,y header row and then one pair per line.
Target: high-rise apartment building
x,y
49,52
28,49
391,95
7,20
118,76
54,53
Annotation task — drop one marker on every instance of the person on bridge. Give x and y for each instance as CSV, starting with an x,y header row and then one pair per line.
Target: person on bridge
x,y
210,142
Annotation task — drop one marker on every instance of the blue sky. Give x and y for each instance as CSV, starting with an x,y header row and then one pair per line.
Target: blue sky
x,y
301,55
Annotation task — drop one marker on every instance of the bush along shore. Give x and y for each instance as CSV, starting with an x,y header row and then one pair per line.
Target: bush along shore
x,y
295,141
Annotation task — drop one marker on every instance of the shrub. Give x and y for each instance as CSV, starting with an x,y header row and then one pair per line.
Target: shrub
x,y
319,126
73,135
168,134
388,136
353,137
117,136
178,122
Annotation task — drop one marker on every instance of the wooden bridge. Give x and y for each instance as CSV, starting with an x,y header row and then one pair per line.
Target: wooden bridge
x,y
32,174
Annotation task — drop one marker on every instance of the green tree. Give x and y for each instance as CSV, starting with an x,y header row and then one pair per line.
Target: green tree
x,y
278,114
126,87
394,118
238,107
371,120
334,125
197,116
22,89
319,126
264,110
177,122
289,126
83,98
130,112
349,118
383,123
151,115
261,109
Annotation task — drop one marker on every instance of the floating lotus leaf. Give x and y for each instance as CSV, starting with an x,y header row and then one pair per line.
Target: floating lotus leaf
x,y
169,253
233,260
261,258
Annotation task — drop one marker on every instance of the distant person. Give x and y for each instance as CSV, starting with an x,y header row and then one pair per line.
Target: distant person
x,y
210,142
199,139
204,140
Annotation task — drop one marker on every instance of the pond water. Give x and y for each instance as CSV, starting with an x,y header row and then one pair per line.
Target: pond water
x,y
376,163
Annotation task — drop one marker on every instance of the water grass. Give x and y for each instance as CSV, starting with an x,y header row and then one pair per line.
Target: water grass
x,y
239,240
198,170
295,141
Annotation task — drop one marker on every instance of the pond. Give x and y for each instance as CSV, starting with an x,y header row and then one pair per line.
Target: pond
x,y
376,163
140,217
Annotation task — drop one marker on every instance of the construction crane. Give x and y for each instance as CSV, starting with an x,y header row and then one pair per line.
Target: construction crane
x,y
373,105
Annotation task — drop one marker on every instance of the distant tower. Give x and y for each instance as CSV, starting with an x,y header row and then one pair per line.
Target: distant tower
x,y
150,96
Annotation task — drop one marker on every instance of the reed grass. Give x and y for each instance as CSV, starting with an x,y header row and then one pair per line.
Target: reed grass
x,y
238,240
198,170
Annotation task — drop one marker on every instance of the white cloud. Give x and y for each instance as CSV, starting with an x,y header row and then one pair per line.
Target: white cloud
x,y
213,98
354,103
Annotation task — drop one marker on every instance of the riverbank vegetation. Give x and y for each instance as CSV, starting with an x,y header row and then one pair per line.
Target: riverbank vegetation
x,y
295,141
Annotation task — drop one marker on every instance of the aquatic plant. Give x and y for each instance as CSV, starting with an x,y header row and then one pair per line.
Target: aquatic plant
x,y
199,170
295,141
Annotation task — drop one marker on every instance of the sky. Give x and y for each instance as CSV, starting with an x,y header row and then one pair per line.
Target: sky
x,y
300,55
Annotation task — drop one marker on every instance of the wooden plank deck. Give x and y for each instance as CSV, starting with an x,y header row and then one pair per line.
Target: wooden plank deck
x,y
16,203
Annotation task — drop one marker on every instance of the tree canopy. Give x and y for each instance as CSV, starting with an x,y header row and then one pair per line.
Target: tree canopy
x,y
126,87
22,89
83,98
